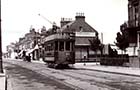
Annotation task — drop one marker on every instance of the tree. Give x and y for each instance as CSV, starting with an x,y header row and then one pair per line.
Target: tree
x,y
122,40
95,44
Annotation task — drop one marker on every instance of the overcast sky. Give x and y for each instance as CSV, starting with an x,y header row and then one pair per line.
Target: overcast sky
x,y
105,16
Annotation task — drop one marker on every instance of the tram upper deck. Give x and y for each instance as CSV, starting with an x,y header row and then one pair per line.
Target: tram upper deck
x,y
60,35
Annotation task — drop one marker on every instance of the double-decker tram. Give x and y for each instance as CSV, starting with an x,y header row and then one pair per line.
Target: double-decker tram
x,y
59,49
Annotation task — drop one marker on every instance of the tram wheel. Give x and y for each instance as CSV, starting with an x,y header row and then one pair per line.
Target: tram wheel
x,y
51,65
62,66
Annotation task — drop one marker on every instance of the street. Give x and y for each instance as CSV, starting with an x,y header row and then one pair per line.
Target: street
x,y
25,79
37,76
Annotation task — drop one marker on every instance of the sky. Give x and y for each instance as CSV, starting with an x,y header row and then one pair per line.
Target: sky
x,y
18,16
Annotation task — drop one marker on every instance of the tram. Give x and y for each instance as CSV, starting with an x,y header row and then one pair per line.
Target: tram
x,y
59,50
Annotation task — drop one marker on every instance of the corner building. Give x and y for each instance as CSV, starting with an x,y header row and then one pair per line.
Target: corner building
x,y
83,32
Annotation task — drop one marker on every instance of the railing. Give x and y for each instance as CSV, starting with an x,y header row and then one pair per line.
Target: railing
x,y
88,60
114,61
119,60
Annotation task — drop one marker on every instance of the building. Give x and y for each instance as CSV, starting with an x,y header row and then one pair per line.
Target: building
x,y
132,27
10,50
29,43
83,32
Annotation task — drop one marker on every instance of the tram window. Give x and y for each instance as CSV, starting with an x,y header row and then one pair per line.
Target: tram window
x,y
72,46
56,45
45,48
61,46
49,47
68,45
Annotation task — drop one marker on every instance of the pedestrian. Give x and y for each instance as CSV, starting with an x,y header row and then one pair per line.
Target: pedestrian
x,y
26,58
29,58
84,60
24,55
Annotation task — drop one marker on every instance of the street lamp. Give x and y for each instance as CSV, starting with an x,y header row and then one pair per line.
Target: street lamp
x,y
1,67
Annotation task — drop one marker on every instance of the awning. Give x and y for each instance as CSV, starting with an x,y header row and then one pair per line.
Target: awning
x,y
30,51
82,41
36,47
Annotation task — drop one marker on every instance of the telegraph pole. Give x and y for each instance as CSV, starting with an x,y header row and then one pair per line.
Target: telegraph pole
x,y
1,67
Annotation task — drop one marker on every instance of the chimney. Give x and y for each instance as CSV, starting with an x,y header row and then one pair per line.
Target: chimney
x,y
65,21
80,16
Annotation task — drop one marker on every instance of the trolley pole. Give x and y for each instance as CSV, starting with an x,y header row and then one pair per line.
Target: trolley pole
x,y
1,67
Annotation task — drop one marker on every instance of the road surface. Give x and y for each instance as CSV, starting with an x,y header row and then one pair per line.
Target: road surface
x,y
37,76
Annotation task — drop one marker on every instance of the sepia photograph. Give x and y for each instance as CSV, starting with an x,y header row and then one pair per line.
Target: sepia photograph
x,y
69,44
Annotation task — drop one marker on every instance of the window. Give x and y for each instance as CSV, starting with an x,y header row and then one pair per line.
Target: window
x,y
61,46
68,45
49,46
80,28
72,46
56,45
136,23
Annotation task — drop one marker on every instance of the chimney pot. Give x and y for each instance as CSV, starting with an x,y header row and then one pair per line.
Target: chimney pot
x,y
80,16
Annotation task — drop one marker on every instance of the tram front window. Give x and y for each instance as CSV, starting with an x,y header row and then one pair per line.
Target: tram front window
x,y
61,46
68,45
49,47
56,45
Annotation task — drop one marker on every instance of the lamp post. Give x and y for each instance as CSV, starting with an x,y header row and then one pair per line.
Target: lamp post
x,y
1,67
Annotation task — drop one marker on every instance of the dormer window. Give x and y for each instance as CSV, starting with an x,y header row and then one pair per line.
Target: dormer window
x,y
67,26
81,28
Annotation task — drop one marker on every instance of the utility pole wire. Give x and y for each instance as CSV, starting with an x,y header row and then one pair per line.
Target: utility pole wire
x,y
45,19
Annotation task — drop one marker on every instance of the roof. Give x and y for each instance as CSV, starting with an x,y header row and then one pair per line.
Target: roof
x,y
83,31
77,26
67,27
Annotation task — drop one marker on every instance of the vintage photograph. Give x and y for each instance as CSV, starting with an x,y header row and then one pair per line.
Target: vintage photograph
x,y
70,45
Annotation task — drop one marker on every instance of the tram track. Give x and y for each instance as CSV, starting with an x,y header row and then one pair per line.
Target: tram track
x,y
76,75
119,83
102,81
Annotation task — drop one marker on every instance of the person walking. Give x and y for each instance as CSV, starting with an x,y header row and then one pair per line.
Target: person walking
x,y
29,58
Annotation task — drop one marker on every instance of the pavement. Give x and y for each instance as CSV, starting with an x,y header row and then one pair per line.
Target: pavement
x,y
3,82
130,71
